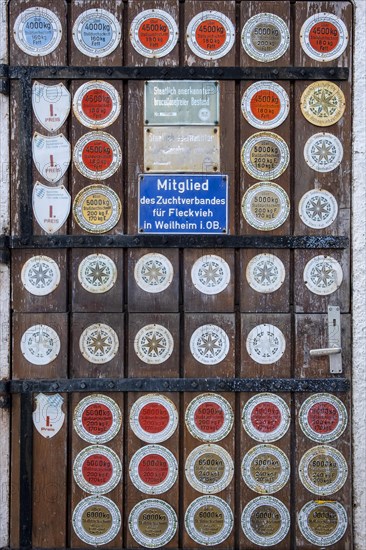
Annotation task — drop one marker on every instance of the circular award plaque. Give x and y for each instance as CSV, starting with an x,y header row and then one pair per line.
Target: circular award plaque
x,y
209,520
265,156
97,469
210,274
209,417
99,343
40,275
323,103
96,520
265,37
265,469
265,105
266,417
40,344
265,206
323,417
210,35
97,273
323,275
266,344
153,33
153,418
318,208
37,31
209,344
96,104
97,155
265,521
153,272
265,273
97,208
97,419
323,152
323,523
153,469
96,33
152,523
324,37
209,469
323,470
153,344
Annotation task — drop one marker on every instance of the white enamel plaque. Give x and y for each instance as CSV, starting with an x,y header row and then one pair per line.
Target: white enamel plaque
x,y
97,273
324,36
210,274
99,343
265,205
97,469
209,469
318,208
51,105
153,33
96,520
266,344
152,523
51,206
153,418
323,152
323,275
265,469
210,35
265,37
265,521
209,520
96,104
153,344
40,344
48,417
153,272
209,344
265,273
96,33
266,417
209,417
37,31
265,105
51,155
97,419
153,469
40,275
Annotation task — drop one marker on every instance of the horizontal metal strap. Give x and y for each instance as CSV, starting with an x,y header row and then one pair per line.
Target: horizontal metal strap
x,y
176,385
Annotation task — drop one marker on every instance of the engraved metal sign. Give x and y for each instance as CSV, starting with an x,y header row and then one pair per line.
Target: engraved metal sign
x,y
323,275
209,344
97,469
51,206
265,156
96,33
97,155
266,417
37,31
153,418
323,103
182,102
323,470
210,35
209,520
97,208
97,273
323,417
265,469
96,104
153,272
40,344
318,208
153,344
181,149
265,521
210,274
265,105
97,419
152,523
209,417
265,206
323,523
40,275
99,343
171,203
96,520
48,417
324,37
265,344
323,152
209,469
51,104
265,37
153,33
265,273
153,469
51,155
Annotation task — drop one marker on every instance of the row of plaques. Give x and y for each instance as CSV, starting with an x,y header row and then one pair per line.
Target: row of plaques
x,y
153,33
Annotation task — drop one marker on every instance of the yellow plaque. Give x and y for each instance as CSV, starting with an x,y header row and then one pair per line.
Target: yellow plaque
x,y
97,208
323,103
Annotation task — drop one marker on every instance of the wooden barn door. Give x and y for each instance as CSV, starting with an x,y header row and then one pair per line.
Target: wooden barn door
x,y
181,332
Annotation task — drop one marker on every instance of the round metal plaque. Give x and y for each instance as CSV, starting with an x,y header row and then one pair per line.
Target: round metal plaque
x,y
97,155
99,343
96,520
152,523
265,469
209,520
265,156
323,152
96,33
209,344
323,470
153,33
153,418
324,37
37,31
97,469
323,523
97,273
40,275
210,274
265,521
323,275
265,273
153,272
210,35
323,103
153,344
266,344
96,104
97,208
266,417
209,469
153,469
265,37
323,417
318,208
97,419
40,344
265,105
209,417
265,206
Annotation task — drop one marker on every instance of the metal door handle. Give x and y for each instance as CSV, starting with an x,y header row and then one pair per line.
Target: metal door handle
x,y
325,351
